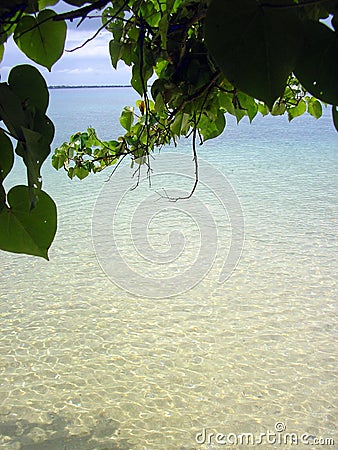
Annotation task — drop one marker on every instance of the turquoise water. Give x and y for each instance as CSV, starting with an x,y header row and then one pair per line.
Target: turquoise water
x,y
87,365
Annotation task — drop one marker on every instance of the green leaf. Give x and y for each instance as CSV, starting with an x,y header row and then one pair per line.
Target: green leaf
x,y
6,156
41,38
249,104
163,29
34,151
239,114
314,107
127,117
92,141
136,79
297,111
30,86
211,128
139,79
43,125
317,66
263,109
181,124
260,45
159,103
128,54
58,160
44,3
278,109
2,48
11,111
24,229
115,50
81,172
226,102
71,172
134,33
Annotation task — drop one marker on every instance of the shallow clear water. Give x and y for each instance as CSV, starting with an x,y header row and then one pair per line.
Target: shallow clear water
x,y
86,365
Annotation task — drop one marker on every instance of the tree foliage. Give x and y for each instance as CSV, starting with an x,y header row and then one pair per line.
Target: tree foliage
x,y
204,60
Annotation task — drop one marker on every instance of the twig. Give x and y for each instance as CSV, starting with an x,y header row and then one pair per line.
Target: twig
x,y
197,94
195,159
138,172
100,29
81,12
116,167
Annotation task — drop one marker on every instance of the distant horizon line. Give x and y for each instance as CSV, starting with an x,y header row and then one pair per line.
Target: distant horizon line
x,y
86,86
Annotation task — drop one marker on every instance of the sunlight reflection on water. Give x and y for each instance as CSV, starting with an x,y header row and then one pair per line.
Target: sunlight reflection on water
x,y
85,365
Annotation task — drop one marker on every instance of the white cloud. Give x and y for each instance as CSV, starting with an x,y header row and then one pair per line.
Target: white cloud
x,y
95,47
89,65
77,71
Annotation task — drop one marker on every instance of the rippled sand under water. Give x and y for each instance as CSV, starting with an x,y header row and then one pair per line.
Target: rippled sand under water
x,y
85,365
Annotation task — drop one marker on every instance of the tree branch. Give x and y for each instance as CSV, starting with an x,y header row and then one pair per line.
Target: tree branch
x,y
195,159
206,87
81,12
100,29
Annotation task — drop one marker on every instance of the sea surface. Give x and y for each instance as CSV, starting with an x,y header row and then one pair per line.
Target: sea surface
x,y
88,364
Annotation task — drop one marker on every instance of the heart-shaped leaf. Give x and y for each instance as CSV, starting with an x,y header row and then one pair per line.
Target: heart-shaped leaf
x,y
30,86
127,117
24,229
317,65
41,38
259,48
11,111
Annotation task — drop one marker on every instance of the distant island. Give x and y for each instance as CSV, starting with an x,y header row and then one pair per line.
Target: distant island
x,y
90,86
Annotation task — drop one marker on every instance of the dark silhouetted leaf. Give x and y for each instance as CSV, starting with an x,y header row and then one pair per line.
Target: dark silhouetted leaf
x,y
30,86
26,230
11,111
256,47
6,156
115,50
317,66
34,152
335,116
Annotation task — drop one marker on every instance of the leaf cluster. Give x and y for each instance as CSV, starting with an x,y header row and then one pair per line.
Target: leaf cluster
x,y
209,59
27,214
192,63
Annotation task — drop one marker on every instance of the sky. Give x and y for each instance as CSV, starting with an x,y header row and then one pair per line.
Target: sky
x,y
90,65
